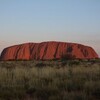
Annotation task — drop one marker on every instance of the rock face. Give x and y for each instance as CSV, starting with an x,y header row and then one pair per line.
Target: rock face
x,y
47,51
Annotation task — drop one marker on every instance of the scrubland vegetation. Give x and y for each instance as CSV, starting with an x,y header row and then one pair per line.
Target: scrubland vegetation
x,y
50,80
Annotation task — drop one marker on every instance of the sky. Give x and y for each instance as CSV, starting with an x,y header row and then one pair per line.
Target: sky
x,y
76,21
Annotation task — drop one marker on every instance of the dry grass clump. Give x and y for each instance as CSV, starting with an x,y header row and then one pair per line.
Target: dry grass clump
x,y
50,80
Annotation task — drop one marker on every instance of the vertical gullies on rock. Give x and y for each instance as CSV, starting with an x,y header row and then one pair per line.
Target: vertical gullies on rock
x,y
56,50
47,50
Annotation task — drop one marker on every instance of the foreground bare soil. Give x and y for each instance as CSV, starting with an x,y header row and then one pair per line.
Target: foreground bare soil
x,y
50,80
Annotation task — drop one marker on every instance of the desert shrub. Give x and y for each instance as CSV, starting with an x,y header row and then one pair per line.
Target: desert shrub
x,y
67,56
64,63
40,64
74,63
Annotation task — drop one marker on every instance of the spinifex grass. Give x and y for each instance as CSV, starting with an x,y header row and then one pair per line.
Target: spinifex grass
x,y
28,80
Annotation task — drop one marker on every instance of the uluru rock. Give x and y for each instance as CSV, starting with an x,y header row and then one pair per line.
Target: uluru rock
x,y
48,51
